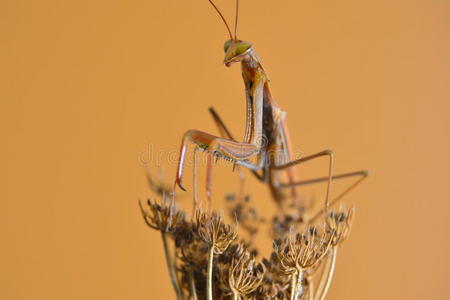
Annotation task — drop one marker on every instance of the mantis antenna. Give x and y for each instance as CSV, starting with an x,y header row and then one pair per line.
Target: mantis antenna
x,y
223,18
236,21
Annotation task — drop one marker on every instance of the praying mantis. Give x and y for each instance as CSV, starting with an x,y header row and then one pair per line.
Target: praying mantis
x,y
266,137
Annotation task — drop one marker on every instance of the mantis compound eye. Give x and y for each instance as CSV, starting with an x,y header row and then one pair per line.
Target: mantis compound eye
x,y
242,47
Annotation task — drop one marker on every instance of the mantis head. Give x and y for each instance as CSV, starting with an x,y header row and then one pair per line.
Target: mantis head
x,y
235,51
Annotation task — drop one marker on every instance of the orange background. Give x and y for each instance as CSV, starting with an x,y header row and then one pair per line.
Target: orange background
x,y
86,87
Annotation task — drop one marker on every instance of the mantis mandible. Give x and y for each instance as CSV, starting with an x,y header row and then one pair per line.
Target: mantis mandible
x,y
266,133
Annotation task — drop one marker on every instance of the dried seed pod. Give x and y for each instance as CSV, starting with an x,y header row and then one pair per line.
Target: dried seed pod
x,y
244,274
214,232
218,236
163,217
302,250
340,222
213,263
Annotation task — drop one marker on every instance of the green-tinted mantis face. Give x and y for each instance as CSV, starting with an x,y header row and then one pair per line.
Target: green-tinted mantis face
x,y
235,51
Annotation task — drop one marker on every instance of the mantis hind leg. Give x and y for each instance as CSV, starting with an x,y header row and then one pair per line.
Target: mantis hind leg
x,y
362,174
328,153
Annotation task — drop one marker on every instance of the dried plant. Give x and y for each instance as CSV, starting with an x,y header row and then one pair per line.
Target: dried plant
x,y
340,223
298,252
166,219
245,274
217,235
209,260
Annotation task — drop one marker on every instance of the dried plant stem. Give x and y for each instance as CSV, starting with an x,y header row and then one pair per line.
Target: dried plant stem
x,y
192,286
236,296
171,267
327,275
311,289
210,269
298,284
326,269
293,288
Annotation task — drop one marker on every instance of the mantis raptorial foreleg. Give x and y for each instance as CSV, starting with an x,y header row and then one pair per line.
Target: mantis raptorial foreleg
x,y
226,148
225,132
194,179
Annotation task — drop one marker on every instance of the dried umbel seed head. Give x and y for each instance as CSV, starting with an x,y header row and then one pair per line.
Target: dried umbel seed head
x,y
302,250
211,229
163,217
244,274
340,222
212,262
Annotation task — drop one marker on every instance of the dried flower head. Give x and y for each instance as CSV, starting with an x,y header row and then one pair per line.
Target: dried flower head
x,y
302,250
340,222
244,274
211,262
213,231
163,217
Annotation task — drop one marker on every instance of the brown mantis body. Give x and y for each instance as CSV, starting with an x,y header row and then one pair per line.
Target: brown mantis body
x,y
266,135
